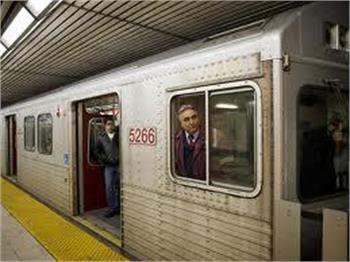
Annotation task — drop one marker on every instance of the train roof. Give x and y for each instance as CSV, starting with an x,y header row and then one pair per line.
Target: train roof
x,y
298,32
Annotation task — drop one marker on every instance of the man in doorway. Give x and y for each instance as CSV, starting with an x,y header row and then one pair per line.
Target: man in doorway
x,y
107,153
190,144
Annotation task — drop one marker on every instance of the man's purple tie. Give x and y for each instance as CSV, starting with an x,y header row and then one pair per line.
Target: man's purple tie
x,y
191,139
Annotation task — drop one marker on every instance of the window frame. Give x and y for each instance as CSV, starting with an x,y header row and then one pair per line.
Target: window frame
x,y
38,144
88,142
25,134
232,87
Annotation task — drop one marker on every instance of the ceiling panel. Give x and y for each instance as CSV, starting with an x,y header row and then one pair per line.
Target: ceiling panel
x,y
78,39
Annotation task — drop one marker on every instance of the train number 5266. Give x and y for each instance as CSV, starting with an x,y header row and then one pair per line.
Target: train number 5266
x,y
147,136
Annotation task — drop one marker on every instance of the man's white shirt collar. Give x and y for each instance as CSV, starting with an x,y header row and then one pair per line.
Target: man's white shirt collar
x,y
195,136
110,135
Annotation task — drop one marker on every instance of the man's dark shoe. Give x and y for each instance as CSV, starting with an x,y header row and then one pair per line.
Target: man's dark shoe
x,y
111,213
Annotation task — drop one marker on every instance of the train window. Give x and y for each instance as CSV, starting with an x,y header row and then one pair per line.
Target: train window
x,y
96,127
323,146
189,134
45,134
215,142
29,133
231,127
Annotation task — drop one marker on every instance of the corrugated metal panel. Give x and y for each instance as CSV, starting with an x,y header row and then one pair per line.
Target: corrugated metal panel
x,y
192,231
82,38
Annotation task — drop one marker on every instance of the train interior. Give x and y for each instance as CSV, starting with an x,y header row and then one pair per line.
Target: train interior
x,y
323,152
91,204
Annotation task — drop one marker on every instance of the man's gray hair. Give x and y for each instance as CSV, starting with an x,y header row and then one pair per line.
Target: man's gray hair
x,y
184,108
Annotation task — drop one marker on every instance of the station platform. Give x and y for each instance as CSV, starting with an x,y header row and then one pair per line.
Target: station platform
x,y
17,244
32,231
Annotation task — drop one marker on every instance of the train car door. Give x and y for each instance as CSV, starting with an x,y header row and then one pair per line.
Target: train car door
x,y
316,122
94,196
91,187
11,145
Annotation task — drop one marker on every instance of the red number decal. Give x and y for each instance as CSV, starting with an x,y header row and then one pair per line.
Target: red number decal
x,y
144,137
131,135
138,134
152,135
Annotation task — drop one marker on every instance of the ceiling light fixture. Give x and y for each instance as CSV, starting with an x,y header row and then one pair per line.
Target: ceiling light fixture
x,y
3,49
17,27
226,106
36,7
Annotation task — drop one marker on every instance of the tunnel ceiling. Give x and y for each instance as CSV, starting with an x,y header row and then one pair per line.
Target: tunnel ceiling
x,y
78,39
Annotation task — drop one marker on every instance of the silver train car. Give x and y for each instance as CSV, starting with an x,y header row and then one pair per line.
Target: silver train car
x,y
272,97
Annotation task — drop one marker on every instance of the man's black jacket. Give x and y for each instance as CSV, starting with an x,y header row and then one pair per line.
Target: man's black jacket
x,y
107,150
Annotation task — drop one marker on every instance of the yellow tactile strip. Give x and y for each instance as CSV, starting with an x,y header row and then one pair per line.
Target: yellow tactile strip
x,y
62,239
100,231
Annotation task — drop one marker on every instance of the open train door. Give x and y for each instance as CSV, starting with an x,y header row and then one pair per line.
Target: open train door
x,y
91,182
92,172
11,127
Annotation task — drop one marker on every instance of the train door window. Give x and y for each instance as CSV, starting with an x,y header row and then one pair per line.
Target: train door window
x,y
223,153
232,138
323,146
45,134
29,133
96,128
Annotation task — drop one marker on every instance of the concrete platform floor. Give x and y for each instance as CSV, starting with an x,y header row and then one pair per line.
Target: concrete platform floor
x,y
17,244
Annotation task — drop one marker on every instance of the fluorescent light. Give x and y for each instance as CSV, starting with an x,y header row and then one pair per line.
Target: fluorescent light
x,y
3,49
16,28
109,113
226,106
37,6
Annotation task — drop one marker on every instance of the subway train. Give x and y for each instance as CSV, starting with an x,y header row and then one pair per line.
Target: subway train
x,y
272,102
